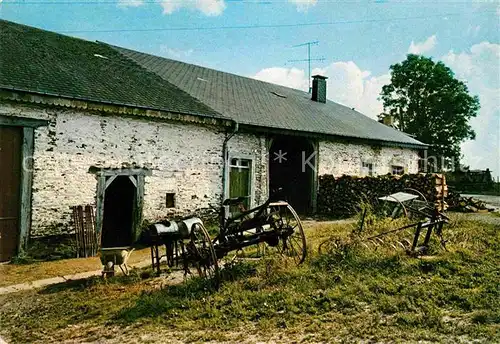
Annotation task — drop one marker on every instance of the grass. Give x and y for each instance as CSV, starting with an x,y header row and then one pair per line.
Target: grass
x,y
349,292
21,273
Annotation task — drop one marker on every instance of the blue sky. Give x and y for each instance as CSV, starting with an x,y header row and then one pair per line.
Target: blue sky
x,y
367,37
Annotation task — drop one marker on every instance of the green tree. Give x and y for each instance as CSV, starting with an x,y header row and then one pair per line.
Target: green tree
x,y
426,101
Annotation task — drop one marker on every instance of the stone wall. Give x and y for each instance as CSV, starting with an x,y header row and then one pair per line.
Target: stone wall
x,y
338,158
186,159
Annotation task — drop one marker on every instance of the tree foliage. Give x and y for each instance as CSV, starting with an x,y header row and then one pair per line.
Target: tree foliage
x,y
426,100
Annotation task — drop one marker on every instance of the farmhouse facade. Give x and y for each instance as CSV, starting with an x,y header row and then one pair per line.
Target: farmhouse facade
x,y
142,137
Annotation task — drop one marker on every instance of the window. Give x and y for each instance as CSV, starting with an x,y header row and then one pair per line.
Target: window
x,y
240,180
367,169
398,170
170,200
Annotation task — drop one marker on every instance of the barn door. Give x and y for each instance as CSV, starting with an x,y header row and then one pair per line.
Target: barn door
x,y
10,179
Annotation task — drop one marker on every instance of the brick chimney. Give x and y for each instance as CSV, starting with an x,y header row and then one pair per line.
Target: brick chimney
x,y
319,88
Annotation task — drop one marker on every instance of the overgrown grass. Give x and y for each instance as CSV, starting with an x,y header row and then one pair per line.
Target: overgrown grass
x,y
350,292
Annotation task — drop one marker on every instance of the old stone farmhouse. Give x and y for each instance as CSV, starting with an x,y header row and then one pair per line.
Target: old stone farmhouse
x,y
140,136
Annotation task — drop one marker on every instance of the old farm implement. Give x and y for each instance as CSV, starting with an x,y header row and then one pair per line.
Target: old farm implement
x,y
424,216
188,244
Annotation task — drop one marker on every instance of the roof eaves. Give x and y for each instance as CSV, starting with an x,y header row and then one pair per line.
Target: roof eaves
x,y
107,102
104,102
336,135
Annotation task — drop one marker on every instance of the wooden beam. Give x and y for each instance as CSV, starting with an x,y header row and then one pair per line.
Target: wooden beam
x,y
315,182
132,179
109,181
101,190
22,121
132,171
137,223
26,187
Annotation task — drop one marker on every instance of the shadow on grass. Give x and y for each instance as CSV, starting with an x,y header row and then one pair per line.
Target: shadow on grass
x,y
175,298
81,284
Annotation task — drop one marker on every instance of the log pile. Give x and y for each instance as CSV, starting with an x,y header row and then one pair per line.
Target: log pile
x,y
466,204
342,197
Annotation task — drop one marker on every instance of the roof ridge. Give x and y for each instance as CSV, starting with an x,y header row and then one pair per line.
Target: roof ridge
x,y
209,68
145,70
69,67
34,28
227,73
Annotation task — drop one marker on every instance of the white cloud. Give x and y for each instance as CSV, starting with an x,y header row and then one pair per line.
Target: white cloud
x,y
290,77
207,7
347,84
129,3
480,68
423,47
354,87
303,5
473,30
175,53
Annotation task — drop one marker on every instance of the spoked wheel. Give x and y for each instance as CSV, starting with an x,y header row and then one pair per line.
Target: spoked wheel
x,y
292,241
202,254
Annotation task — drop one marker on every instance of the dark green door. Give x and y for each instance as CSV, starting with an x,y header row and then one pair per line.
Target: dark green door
x,y
240,175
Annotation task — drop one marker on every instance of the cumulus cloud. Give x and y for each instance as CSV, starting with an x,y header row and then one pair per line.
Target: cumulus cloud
x,y
129,3
473,30
479,67
303,5
175,53
352,86
422,47
347,84
290,77
207,7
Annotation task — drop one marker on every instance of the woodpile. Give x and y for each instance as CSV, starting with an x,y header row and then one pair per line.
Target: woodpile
x,y
466,204
343,197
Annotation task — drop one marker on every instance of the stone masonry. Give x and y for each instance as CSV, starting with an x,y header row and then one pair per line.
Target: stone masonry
x,y
185,159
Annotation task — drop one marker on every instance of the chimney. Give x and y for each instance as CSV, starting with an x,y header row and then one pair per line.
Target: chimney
x,y
387,120
319,88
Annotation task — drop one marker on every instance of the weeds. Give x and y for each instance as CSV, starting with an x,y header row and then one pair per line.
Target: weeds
x,y
347,292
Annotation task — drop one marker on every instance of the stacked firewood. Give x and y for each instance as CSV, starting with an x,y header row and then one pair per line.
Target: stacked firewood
x,y
344,196
466,204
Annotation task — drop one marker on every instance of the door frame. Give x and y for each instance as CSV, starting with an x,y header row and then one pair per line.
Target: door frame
x,y
105,176
315,176
242,156
28,126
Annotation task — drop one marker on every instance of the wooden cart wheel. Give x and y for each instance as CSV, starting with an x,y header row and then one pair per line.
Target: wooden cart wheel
x,y
292,240
202,252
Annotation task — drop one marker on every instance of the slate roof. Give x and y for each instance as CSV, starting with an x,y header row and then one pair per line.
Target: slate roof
x,y
39,61
45,62
263,104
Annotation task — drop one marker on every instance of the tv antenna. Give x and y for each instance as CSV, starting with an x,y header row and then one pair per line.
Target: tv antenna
x,y
309,59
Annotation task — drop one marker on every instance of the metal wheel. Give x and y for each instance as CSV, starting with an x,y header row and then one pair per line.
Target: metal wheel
x,y
202,254
292,240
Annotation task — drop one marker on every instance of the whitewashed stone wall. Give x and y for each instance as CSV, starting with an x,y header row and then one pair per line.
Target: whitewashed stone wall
x,y
186,159
338,158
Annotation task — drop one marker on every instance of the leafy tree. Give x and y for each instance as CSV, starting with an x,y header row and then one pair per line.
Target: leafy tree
x,y
426,101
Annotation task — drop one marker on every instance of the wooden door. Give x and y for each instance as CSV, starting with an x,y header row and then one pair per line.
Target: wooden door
x,y
10,178
240,175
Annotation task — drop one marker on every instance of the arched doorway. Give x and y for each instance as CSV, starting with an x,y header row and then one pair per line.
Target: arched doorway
x,y
119,202
292,164
119,209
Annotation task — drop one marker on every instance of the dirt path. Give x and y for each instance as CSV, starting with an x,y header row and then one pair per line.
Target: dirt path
x,y
41,283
